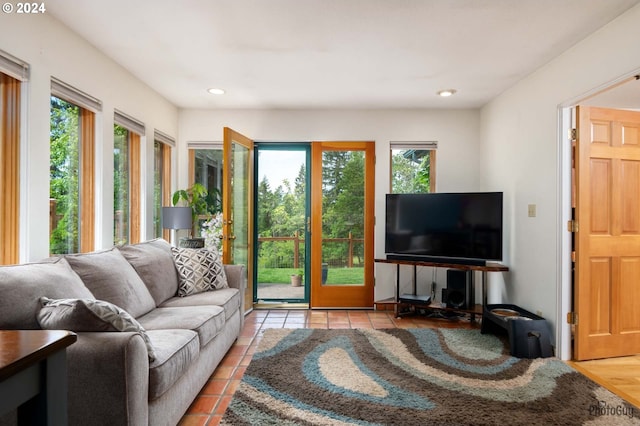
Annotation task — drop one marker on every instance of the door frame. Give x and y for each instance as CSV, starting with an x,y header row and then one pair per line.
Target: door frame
x,y
328,297
231,136
566,122
292,146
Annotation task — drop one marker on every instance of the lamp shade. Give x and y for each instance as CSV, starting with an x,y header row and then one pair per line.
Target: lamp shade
x,y
176,217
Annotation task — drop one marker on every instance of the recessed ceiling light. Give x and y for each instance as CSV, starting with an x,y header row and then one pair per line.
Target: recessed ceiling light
x,y
447,92
215,91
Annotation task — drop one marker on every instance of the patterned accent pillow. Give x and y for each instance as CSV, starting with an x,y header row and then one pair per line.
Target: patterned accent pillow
x,y
199,270
89,315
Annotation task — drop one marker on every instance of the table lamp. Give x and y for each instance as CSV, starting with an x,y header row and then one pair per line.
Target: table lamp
x,y
176,217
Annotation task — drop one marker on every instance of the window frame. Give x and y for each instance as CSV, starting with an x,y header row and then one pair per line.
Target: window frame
x,y
166,143
89,107
135,131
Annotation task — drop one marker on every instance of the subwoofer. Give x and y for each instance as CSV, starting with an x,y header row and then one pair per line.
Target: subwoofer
x,y
458,285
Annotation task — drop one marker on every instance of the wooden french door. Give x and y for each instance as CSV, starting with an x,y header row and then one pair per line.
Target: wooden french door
x,y
237,206
607,240
342,224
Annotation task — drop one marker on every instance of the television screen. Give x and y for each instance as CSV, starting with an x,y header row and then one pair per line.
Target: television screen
x,y
445,227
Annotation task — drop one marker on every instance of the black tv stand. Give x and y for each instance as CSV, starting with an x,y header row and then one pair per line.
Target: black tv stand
x,y
420,301
437,259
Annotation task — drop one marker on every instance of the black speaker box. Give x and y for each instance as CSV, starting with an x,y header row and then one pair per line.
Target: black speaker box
x,y
458,289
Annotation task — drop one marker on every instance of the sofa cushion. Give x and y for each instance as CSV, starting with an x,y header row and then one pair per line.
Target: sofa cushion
x,y
207,321
22,286
153,261
111,278
89,315
198,270
227,298
176,351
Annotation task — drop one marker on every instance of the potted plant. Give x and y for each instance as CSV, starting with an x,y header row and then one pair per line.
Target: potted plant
x,y
296,279
195,197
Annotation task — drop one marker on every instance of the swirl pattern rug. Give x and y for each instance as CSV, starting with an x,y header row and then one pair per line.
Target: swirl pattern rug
x,y
412,377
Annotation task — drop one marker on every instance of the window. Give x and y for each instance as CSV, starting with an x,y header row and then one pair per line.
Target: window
x,y
161,181
72,175
413,167
206,169
126,179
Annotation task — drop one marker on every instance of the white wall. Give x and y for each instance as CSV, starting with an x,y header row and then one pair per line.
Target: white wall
x,y
520,141
51,49
455,130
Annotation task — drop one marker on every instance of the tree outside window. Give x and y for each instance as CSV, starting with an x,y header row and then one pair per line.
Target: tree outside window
x,y
64,177
121,185
413,168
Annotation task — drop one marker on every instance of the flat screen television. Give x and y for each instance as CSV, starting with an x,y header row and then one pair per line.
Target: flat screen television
x,y
461,228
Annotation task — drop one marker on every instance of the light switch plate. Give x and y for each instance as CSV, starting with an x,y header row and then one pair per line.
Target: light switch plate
x,y
532,210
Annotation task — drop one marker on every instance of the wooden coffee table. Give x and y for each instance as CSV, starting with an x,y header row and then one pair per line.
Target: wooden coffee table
x,y
33,375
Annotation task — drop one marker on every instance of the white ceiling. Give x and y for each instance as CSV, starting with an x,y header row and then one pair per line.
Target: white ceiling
x,y
333,53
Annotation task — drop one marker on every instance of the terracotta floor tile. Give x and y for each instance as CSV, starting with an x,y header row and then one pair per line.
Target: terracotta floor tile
x,y
318,325
237,375
223,404
245,360
339,325
238,350
223,373
203,405
361,324
233,385
231,360
194,420
214,387
215,420
277,314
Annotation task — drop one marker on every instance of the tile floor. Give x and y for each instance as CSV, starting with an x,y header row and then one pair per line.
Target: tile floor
x,y
209,406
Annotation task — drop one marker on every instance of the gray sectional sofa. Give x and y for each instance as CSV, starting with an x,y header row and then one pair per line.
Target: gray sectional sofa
x,y
148,376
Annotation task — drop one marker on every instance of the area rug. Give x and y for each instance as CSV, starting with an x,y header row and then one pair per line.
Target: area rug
x,y
413,377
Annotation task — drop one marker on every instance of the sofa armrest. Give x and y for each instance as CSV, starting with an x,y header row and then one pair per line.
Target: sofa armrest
x,y
236,276
108,376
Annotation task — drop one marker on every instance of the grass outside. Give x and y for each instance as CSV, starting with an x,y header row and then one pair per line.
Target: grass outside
x,y
334,276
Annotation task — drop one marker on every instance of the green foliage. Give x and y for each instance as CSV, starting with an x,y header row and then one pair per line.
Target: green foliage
x,y
64,176
201,201
120,185
282,211
410,173
343,200
157,188
336,276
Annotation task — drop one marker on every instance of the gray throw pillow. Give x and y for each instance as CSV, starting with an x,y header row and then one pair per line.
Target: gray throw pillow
x,y
199,270
22,286
111,278
153,262
89,315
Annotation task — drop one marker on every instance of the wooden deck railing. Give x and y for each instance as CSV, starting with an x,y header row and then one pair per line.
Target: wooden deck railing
x,y
298,240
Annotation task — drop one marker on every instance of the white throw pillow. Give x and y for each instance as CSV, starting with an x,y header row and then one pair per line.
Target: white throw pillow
x,y
199,270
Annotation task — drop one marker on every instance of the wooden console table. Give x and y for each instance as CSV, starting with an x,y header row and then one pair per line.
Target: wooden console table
x,y
473,310
33,375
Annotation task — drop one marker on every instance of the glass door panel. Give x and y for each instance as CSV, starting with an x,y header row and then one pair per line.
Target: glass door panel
x,y
342,224
238,206
281,223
